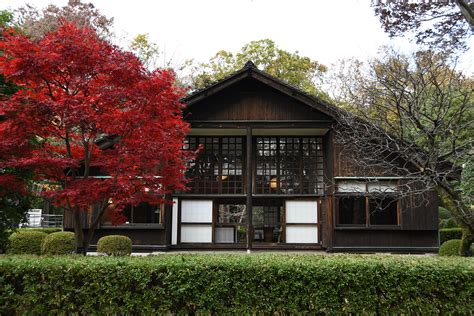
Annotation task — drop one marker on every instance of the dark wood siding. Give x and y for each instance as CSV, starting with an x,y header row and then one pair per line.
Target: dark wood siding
x,y
251,100
385,239
419,213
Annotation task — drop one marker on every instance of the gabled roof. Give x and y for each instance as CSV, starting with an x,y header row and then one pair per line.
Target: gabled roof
x,y
251,71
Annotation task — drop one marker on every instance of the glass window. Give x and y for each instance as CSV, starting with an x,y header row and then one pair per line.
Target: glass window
x,y
351,211
383,211
218,167
231,222
267,222
289,165
143,213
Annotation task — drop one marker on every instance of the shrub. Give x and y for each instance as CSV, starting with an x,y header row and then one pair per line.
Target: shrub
x,y
450,248
59,243
26,242
446,234
450,223
237,284
443,213
115,245
47,230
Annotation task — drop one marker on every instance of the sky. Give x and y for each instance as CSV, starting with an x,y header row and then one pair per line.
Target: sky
x,y
325,31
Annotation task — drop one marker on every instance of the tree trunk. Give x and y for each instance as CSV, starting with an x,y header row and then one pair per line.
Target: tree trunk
x,y
79,232
452,201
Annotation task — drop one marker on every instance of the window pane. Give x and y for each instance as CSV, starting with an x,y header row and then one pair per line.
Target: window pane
x,y
142,213
351,211
218,167
383,211
267,222
231,214
233,234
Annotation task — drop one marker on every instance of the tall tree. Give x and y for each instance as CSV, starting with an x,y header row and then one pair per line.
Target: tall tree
x,y
442,24
414,115
299,71
36,23
77,90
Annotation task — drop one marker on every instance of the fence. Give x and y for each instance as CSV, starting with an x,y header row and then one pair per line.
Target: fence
x,y
44,220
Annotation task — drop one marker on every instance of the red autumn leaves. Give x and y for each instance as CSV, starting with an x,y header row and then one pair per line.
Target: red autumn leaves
x,y
77,90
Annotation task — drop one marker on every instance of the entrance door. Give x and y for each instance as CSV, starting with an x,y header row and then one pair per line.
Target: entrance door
x,y
301,222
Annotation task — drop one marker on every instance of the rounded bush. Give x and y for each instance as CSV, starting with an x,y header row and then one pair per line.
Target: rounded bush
x,y
450,223
444,213
115,245
450,248
59,243
28,242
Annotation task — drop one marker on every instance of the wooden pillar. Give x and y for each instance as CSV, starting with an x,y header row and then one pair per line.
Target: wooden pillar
x,y
168,220
248,168
328,156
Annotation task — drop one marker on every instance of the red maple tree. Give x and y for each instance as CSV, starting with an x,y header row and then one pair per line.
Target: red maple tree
x,y
77,90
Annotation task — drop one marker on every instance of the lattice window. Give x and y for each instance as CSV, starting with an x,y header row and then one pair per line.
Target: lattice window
x,y
266,180
289,165
218,167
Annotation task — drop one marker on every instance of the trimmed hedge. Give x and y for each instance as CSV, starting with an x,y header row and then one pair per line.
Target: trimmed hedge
x,y
237,284
47,230
450,248
446,234
115,245
26,242
59,243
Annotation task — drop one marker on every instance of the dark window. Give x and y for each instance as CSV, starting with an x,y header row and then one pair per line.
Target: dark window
x,y
267,219
143,213
218,167
289,165
383,211
351,210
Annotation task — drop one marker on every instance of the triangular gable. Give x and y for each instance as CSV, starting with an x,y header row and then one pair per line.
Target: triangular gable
x,y
251,72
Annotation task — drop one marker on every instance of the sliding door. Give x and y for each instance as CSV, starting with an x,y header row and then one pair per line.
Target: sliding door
x,y
301,222
196,221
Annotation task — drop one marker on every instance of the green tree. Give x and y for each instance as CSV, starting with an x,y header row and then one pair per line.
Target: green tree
x,y
299,71
147,51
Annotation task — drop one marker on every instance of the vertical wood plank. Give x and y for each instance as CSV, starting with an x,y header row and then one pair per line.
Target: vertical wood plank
x,y
248,171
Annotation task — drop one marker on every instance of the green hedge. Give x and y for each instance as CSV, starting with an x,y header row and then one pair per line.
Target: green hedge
x,y
26,242
237,284
446,234
115,245
59,243
47,230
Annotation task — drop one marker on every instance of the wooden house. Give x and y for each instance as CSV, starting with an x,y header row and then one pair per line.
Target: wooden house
x,y
270,176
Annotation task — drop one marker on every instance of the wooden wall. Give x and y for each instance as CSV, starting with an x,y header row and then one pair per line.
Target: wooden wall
x,y
251,100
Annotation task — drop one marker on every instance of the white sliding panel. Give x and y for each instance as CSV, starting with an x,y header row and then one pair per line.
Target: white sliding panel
x,y
196,211
196,221
225,234
299,234
299,212
196,233
303,218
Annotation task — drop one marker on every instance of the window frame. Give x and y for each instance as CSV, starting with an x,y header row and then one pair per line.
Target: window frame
x,y
367,195
318,166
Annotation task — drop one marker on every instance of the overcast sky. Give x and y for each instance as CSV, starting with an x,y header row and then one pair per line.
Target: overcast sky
x,y
322,30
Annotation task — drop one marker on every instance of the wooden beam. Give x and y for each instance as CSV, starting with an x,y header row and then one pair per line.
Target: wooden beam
x,y
249,190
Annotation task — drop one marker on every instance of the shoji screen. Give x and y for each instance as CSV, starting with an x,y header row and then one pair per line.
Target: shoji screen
x,y
301,222
196,221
